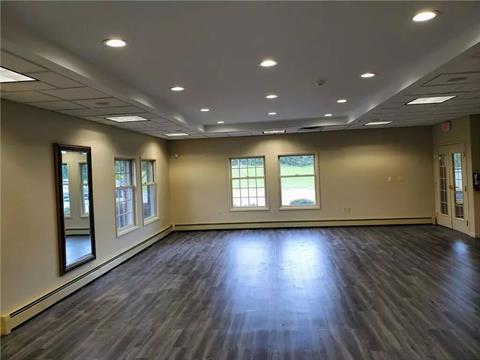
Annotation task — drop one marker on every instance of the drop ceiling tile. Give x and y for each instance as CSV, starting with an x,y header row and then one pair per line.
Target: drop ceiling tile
x,y
453,79
25,86
55,79
27,96
130,110
76,93
102,103
58,105
18,64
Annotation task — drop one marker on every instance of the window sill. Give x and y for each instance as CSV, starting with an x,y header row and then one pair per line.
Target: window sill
x,y
84,216
125,231
250,209
150,220
313,207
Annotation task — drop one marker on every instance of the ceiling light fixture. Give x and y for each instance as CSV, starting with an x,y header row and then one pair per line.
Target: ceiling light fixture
x,y
221,122
268,63
115,43
328,115
204,109
374,123
271,96
272,113
430,100
341,101
425,16
177,88
368,75
176,134
126,118
7,76
272,132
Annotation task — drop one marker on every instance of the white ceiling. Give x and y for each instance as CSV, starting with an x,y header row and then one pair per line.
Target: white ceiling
x,y
213,50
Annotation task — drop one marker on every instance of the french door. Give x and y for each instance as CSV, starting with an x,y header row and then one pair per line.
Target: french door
x,y
450,187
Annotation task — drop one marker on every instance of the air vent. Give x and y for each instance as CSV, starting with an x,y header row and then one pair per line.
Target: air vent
x,y
310,129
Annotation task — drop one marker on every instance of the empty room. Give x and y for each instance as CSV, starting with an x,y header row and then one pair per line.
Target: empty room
x,y
240,180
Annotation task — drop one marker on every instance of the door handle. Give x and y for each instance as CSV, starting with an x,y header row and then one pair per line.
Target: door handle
x,y
451,187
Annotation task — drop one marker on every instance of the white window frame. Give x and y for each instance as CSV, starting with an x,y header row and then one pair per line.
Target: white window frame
x,y
154,217
69,215
133,170
230,184
316,206
83,214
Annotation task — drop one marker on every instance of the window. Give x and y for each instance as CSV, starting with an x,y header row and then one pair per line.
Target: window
x,y
297,180
443,184
66,190
125,194
458,184
248,182
85,202
149,188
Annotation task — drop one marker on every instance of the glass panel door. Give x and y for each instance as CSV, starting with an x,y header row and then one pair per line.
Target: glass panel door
x,y
458,198
443,180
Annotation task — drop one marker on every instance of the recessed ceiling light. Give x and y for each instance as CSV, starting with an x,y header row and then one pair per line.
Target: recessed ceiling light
x,y
115,43
368,75
177,88
221,122
204,109
271,96
176,134
328,115
341,101
430,100
268,63
7,76
272,113
425,16
126,118
271,132
373,123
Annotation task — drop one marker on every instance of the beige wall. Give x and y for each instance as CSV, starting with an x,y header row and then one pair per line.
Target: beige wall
x,y
355,168
29,258
465,131
475,146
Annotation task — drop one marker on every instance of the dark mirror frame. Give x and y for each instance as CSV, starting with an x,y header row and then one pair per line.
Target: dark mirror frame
x,y
58,148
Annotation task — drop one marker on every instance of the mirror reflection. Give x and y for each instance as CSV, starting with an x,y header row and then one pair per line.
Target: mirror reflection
x,y
76,222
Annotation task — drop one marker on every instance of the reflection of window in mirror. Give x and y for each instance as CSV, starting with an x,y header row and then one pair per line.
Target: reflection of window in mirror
x,y
66,190
125,194
84,189
149,188
75,213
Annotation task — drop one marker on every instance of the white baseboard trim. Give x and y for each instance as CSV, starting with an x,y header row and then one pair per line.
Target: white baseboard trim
x,y
22,314
303,223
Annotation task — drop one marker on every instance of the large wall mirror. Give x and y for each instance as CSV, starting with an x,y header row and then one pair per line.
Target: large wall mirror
x,y
76,230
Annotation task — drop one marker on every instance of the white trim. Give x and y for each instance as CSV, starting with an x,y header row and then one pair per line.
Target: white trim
x,y
37,305
260,208
133,169
125,231
155,217
150,220
304,223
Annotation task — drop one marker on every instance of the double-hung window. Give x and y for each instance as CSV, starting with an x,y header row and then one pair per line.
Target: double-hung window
x,y
66,190
149,190
248,182
125,194
298,180
85,201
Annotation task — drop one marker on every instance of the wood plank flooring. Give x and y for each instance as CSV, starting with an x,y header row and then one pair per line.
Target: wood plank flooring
x,y
396,292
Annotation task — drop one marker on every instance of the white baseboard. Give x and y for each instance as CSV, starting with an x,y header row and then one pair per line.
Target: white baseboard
x,y
22,314
303,223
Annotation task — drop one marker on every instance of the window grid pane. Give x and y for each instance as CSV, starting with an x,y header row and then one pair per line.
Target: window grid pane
x,y
458,184
297,180
248,182
84,189
148,189
124,194
66,190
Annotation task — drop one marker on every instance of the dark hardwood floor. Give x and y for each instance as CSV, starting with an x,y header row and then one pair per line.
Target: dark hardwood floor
x,y
397,292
